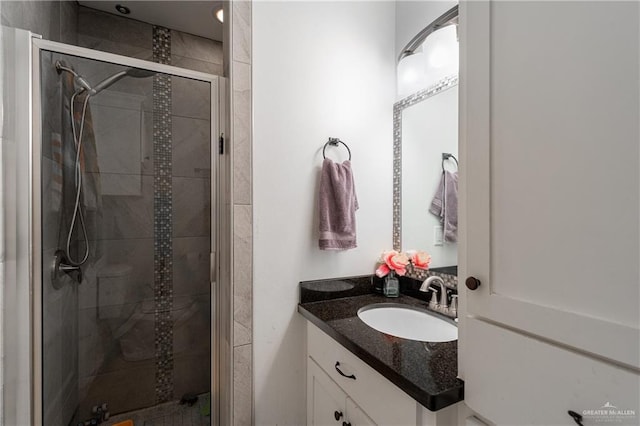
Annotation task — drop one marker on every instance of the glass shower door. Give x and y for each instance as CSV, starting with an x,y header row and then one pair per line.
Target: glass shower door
x,y
126,242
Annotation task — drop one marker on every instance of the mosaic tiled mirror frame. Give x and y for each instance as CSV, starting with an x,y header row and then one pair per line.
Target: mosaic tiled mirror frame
x,y
398,108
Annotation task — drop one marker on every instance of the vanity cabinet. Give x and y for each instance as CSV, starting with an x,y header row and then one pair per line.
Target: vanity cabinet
x,y
556,316
328,404
379,401
337,380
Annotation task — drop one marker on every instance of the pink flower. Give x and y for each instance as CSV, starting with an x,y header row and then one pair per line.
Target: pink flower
x,y
392,261
421,259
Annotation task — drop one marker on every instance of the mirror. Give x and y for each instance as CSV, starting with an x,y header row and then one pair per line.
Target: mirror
x,y
425,126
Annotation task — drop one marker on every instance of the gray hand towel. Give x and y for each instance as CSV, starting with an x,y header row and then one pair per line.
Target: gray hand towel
x,y
445,205
337,204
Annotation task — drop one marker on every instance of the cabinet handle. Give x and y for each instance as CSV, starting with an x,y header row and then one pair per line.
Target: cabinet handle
x,y
337,415
342,374
576,417
472,283
346,424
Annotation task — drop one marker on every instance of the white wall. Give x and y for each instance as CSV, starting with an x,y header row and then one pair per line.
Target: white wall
x,y
320,69
412,16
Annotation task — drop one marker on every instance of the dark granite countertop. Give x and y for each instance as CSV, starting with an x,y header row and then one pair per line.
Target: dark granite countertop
x,y
426,371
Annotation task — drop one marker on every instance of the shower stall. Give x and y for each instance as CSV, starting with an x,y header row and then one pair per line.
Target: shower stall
x,y
123,209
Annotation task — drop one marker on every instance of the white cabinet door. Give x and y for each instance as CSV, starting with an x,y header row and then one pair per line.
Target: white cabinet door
x,y
530,382
355,415
328,405
549,205
550,172
325,400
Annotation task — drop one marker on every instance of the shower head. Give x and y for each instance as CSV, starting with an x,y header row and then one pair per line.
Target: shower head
x,y
129,72
107,82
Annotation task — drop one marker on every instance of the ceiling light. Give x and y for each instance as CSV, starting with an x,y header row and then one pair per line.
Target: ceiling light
x,y
219,14
123,9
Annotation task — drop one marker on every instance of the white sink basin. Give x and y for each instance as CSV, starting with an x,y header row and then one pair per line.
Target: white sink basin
x,y
408,322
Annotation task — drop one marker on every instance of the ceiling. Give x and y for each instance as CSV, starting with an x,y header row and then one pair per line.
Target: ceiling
x,y
194,17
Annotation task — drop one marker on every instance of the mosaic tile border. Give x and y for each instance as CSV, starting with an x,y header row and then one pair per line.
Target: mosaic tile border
x,y
162,218
450,281
398,107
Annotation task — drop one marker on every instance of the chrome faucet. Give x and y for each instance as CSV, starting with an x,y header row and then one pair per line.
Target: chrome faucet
x,y
443,305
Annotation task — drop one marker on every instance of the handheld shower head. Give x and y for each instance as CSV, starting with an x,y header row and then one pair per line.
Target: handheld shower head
x,y
84,85
139,73
107,82
129,72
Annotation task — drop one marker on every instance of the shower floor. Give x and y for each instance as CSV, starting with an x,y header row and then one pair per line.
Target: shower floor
x,y
169,414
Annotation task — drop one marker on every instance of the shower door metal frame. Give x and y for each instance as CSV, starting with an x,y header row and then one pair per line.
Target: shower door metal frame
x,y
220,311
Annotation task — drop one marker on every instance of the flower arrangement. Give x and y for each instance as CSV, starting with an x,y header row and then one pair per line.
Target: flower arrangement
x,y
392,261
397,262
419,259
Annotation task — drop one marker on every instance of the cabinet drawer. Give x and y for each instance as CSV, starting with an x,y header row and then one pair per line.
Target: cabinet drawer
x,y
526,381
377,396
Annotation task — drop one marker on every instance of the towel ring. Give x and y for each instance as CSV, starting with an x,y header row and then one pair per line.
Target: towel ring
x,y
447,156
335,142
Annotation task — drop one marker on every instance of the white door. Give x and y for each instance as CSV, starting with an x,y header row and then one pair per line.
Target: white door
x,y
549,183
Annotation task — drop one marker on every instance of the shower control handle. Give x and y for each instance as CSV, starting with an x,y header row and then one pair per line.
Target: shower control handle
x,y
61,266
69,269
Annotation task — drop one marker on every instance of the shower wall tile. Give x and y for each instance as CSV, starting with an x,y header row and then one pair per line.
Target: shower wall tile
x,y
51,106
110,33
91,344
59,345
239,59
69,405
69,22
191,266
242,385
51,19
136,254
127,392
191,207
191,98
192,373
114,28
195,47
51,204
196,65
129,216
52,383
119,131
242,266
43,17
191,147
241,334
241,84
12,13
121,48
241,31
120,184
